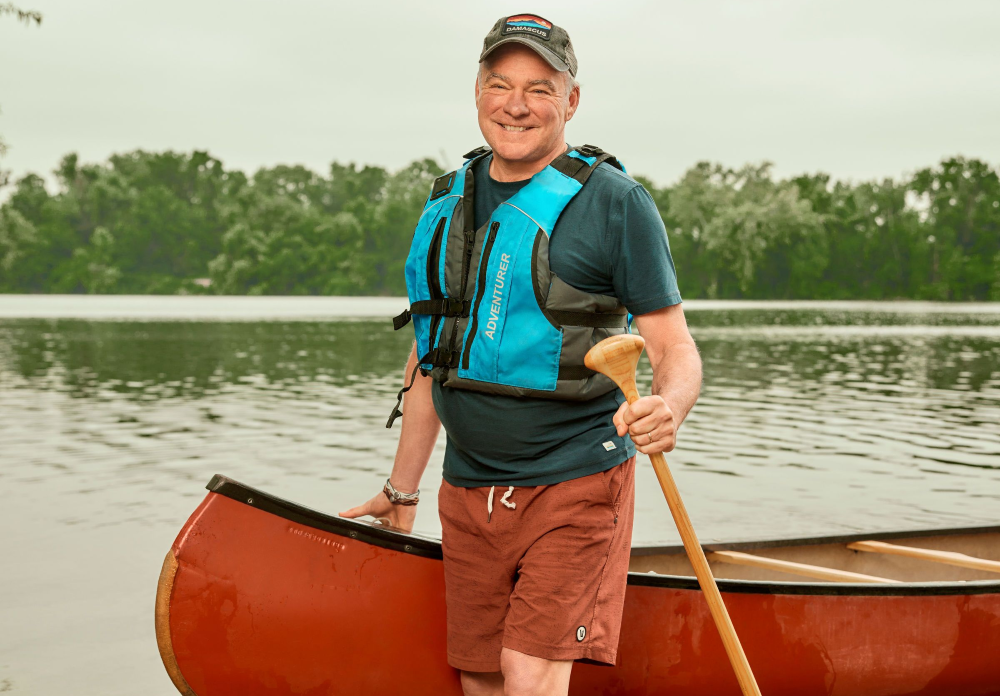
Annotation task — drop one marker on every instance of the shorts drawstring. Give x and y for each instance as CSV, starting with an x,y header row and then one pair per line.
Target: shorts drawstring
x,y
506,496
505,500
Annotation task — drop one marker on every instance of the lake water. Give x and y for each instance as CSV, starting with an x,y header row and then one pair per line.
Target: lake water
x,y
814,418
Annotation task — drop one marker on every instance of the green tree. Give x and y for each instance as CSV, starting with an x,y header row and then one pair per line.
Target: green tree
x,y
296,232
963,222
93,268
872,237
145,222
20,247
390,225
755,237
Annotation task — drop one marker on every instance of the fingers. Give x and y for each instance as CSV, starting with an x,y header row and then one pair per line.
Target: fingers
x,y
359,511
640,408
657,440
400,517
662,443
650,424
662,440
371,507
647,414
636,415
657,424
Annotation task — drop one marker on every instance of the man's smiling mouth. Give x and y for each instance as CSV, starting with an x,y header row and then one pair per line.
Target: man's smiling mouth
x,y
515,129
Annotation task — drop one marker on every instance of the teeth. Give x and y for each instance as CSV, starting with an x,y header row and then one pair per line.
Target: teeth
x,y
514,129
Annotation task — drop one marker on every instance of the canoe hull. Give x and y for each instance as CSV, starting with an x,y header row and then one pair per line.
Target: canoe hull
x,y
253,602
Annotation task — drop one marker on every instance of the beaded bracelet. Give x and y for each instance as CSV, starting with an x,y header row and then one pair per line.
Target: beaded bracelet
x,y
397,498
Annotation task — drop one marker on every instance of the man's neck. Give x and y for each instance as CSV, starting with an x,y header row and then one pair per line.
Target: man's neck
x,y
506,170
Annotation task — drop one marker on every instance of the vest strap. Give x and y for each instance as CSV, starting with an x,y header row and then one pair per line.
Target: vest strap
x,y
442,357
446,307
578,169
597,321
478,152
401,320
569,166
437,357
396,410
574,372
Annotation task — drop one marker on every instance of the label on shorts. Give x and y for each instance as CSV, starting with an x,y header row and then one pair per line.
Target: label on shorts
x,y
581,633
609,445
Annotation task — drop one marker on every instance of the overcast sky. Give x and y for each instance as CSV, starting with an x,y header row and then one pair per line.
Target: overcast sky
x,y
857,88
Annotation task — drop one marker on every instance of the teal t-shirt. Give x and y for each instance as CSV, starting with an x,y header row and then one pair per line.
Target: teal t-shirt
x,y
610,240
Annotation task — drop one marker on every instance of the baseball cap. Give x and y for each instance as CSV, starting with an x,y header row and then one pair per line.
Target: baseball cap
x,y
542,36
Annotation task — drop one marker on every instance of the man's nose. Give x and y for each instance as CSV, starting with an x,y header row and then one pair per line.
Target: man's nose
x,y
516,104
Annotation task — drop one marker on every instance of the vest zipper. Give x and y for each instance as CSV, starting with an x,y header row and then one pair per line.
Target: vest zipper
x,y
480,290
470,243
433,260
433,281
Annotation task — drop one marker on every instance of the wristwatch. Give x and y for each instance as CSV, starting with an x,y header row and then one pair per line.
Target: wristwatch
x,y
397,498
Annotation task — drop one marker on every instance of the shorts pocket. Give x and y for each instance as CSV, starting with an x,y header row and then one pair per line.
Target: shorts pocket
x,y
613,479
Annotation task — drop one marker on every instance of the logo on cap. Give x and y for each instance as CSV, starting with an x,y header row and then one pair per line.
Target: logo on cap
x,y
527,24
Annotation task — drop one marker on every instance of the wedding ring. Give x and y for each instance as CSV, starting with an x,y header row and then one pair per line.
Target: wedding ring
x,y
650,436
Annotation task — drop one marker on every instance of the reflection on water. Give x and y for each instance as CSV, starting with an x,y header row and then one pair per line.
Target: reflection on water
x,y
822,419
811,421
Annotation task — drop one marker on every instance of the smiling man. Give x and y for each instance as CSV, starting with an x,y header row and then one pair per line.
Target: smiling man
x,y
522,259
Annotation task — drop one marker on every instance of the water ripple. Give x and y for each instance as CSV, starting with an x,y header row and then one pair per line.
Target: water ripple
x,y
805,429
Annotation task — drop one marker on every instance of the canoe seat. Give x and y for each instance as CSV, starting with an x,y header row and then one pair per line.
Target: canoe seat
x,y
948,557
805,569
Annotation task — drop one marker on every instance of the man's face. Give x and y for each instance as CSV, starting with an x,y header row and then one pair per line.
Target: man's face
x,y
523,104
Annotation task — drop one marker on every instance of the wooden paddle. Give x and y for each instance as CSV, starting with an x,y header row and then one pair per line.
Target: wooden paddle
x,y
616,357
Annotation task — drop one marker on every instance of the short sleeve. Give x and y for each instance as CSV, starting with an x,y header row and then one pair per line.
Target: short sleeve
x,y
642,268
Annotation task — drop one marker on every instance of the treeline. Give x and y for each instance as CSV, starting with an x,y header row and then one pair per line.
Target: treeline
x,y
168,223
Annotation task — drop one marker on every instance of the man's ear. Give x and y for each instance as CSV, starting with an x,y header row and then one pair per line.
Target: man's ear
x,y
477,89
574,102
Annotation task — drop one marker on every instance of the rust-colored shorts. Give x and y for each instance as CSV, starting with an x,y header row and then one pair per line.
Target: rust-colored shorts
x,y
544,574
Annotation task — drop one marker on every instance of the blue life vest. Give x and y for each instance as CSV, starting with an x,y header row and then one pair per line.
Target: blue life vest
x,y
488,312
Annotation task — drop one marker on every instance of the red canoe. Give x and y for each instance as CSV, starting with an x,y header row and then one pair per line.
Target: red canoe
x,y
262,596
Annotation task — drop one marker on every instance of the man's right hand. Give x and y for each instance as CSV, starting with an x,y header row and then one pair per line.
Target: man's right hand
x,y
399,516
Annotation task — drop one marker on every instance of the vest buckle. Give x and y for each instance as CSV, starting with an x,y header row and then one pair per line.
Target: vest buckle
x,y
472,154
456,308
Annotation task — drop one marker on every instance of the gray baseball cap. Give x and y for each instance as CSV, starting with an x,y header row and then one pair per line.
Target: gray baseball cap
x,y
542,36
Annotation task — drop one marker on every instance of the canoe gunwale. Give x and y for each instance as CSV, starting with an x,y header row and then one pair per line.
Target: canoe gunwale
x,y
667,549
431,548
362,531
837,589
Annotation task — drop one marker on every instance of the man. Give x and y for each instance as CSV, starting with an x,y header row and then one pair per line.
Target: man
x,y
535,572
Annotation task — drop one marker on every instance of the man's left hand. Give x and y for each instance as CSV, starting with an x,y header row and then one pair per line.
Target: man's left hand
x,y
650,422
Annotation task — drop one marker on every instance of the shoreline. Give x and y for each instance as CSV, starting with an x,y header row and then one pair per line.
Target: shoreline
x,y
311,307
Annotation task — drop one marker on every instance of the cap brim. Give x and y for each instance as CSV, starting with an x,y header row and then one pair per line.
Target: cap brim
x,y
550,57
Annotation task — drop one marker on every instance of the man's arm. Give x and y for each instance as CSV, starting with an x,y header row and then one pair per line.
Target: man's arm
x,y
676,382
416,442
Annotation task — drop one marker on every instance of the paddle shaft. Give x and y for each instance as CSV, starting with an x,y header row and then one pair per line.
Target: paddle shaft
x,y
696,555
